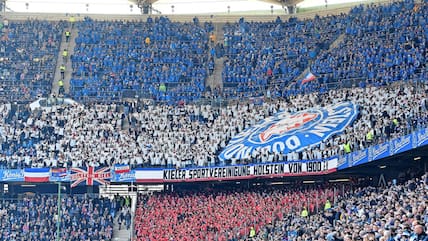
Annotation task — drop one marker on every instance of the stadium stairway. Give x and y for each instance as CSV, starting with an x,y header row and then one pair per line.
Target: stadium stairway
x,y
109,191
125,234
215,80
121,235
219,32
337,42
68,67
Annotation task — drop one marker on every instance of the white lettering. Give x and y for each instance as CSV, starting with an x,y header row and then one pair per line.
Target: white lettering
x,y
400,143
332,121
422,137
277,147
319,130
293,143
231,150
382,149
244,152
358,156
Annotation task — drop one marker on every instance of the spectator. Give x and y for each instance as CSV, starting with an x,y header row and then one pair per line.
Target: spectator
x,y
34,218
105,65
28,59
140,134
218,215
67,36
419,233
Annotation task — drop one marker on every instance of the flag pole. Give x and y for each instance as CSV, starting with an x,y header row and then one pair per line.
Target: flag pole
x,y
58,223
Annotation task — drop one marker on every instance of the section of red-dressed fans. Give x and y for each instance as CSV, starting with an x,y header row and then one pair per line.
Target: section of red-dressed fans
x,y
219,215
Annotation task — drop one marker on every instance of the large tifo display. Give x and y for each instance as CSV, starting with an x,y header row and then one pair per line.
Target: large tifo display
x,y
123,174
285,133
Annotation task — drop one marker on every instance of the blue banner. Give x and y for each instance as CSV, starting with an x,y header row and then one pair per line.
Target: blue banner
x,y
124,177
342,162
421,137
400,144
12,175
379,151
284,133
358,157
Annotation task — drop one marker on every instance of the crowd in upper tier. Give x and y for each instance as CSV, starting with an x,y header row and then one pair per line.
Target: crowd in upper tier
x,y
262,54
34,218
167,61
397,212
171,62
371,44
391,46
158,59
142,134
28,55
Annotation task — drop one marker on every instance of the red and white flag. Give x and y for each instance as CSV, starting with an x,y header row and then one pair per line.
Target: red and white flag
x,y
308,78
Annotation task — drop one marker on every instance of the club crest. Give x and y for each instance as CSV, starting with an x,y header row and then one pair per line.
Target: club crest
x,y
284,132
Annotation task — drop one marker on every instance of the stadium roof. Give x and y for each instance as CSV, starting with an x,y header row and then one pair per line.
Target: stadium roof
x,y
285,2
130,7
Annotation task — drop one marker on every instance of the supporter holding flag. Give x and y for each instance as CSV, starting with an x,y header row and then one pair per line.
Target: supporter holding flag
x,y
308,78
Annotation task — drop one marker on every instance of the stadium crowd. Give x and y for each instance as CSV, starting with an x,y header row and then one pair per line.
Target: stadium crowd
x,y
166,59
158,59
35,218
217,215
395,212
375,44
170,61
381,45
261,54
191,135
28,58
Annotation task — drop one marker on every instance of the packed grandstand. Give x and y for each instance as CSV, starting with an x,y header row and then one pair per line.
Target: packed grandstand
x,y
143,102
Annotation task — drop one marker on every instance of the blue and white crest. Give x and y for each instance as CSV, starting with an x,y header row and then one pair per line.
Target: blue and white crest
x,y
288,133
379,151
14,175
124,177
400,144
422,137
